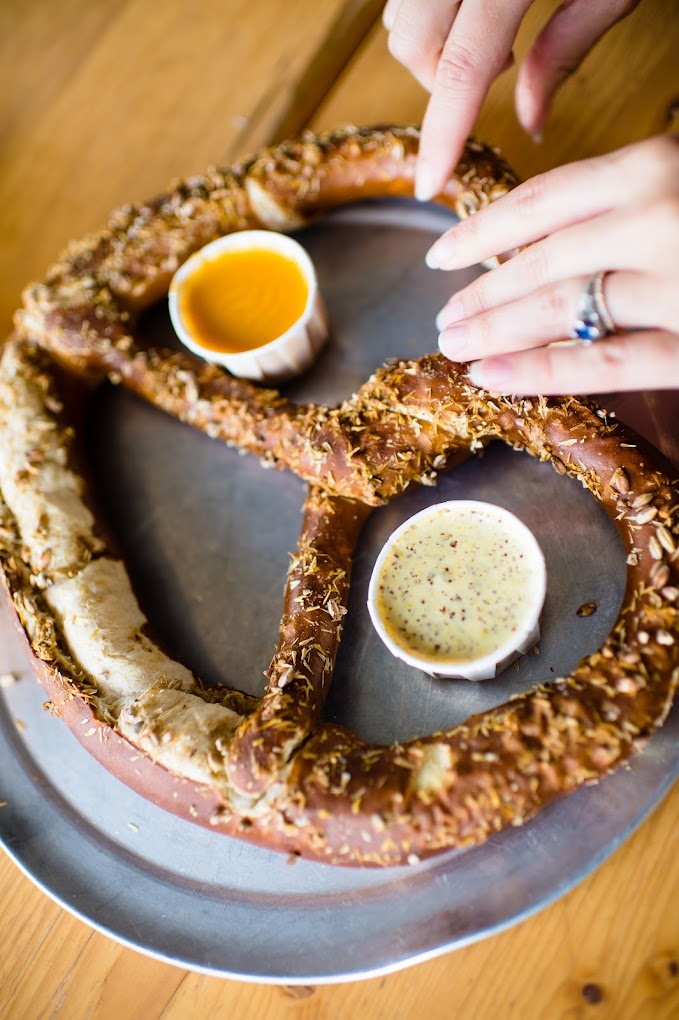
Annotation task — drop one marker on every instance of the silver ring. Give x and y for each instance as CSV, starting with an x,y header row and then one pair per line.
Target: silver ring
x,y
594,321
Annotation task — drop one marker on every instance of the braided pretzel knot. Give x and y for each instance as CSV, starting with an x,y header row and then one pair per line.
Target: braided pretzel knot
x,y
268,769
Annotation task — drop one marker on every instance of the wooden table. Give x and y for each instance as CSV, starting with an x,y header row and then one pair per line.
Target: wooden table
x,y
103,102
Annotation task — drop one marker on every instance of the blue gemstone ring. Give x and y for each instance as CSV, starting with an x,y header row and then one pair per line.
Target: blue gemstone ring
x,y
594,320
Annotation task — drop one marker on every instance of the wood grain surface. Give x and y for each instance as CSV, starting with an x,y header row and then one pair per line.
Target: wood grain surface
x,y
104,101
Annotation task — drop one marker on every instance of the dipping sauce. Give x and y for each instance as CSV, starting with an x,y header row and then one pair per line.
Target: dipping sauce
x,y
250,301
458,590
243,299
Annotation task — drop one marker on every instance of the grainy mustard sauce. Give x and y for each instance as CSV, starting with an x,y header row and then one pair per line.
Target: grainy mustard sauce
x,y
456,586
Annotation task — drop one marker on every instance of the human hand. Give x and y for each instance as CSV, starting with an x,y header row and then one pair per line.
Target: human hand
x,y
456,48
617,214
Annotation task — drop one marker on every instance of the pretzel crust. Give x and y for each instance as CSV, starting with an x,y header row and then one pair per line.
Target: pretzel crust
x,y
268,770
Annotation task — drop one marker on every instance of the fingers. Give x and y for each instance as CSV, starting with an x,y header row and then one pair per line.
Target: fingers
x,y
637,239
618,215
556,199
390,13
457,49
417,33
634,300
609,242
638,235
635,361
477,48
557,52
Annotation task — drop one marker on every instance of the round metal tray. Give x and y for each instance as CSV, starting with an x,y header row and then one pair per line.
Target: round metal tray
x,y
207,536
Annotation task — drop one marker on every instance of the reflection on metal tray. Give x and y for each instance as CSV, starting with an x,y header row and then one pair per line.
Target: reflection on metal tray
x,y
207,536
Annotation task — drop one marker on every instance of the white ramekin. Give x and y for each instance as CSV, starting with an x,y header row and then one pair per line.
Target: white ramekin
x,y
489,665
289,354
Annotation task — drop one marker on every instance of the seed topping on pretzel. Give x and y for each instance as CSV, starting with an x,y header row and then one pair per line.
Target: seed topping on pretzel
x,y
269,770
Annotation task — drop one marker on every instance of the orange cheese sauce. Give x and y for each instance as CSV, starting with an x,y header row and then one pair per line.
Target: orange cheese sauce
x,y
242,299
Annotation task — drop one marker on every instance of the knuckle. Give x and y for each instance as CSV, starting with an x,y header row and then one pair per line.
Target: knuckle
x,y
457,69
529,196
611,360
469,228
482,332
542,367
476,299
615,162
400,47
554,307
406,51
535,264
657,164
550,371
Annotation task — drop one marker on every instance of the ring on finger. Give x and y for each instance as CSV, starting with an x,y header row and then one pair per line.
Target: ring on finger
x,y
594,321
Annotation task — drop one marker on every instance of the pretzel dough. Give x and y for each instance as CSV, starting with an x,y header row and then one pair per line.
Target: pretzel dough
x,y
266,769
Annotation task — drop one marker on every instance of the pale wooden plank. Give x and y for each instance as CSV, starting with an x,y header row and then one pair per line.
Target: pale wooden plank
x,y
344,37
105,107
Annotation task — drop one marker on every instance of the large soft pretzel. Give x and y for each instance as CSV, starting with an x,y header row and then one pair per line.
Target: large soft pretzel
x,y
267,769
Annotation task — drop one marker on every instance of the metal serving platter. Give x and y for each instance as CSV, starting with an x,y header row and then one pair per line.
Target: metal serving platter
x,y
207,535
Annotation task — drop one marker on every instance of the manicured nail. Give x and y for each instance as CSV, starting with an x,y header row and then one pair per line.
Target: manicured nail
x,y
432,258
439,255
425,182
450,313
452,341
491,374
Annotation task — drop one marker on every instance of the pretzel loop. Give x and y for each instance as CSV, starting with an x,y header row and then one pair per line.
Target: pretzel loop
x,y
269,770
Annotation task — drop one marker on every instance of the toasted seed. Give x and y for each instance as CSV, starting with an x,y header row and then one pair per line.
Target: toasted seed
x,y
671,594
660,574
665,538
620,481
641,501
45,559
587,609
646,515
663,637
655,548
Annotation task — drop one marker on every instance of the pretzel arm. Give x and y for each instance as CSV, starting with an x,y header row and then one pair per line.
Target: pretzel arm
x,y
301,671
366,450
399,804
85,312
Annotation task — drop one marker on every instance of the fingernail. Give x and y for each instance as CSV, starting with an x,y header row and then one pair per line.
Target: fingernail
x,y
450,313
439,255
491,373
432,258
425,183
452,341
